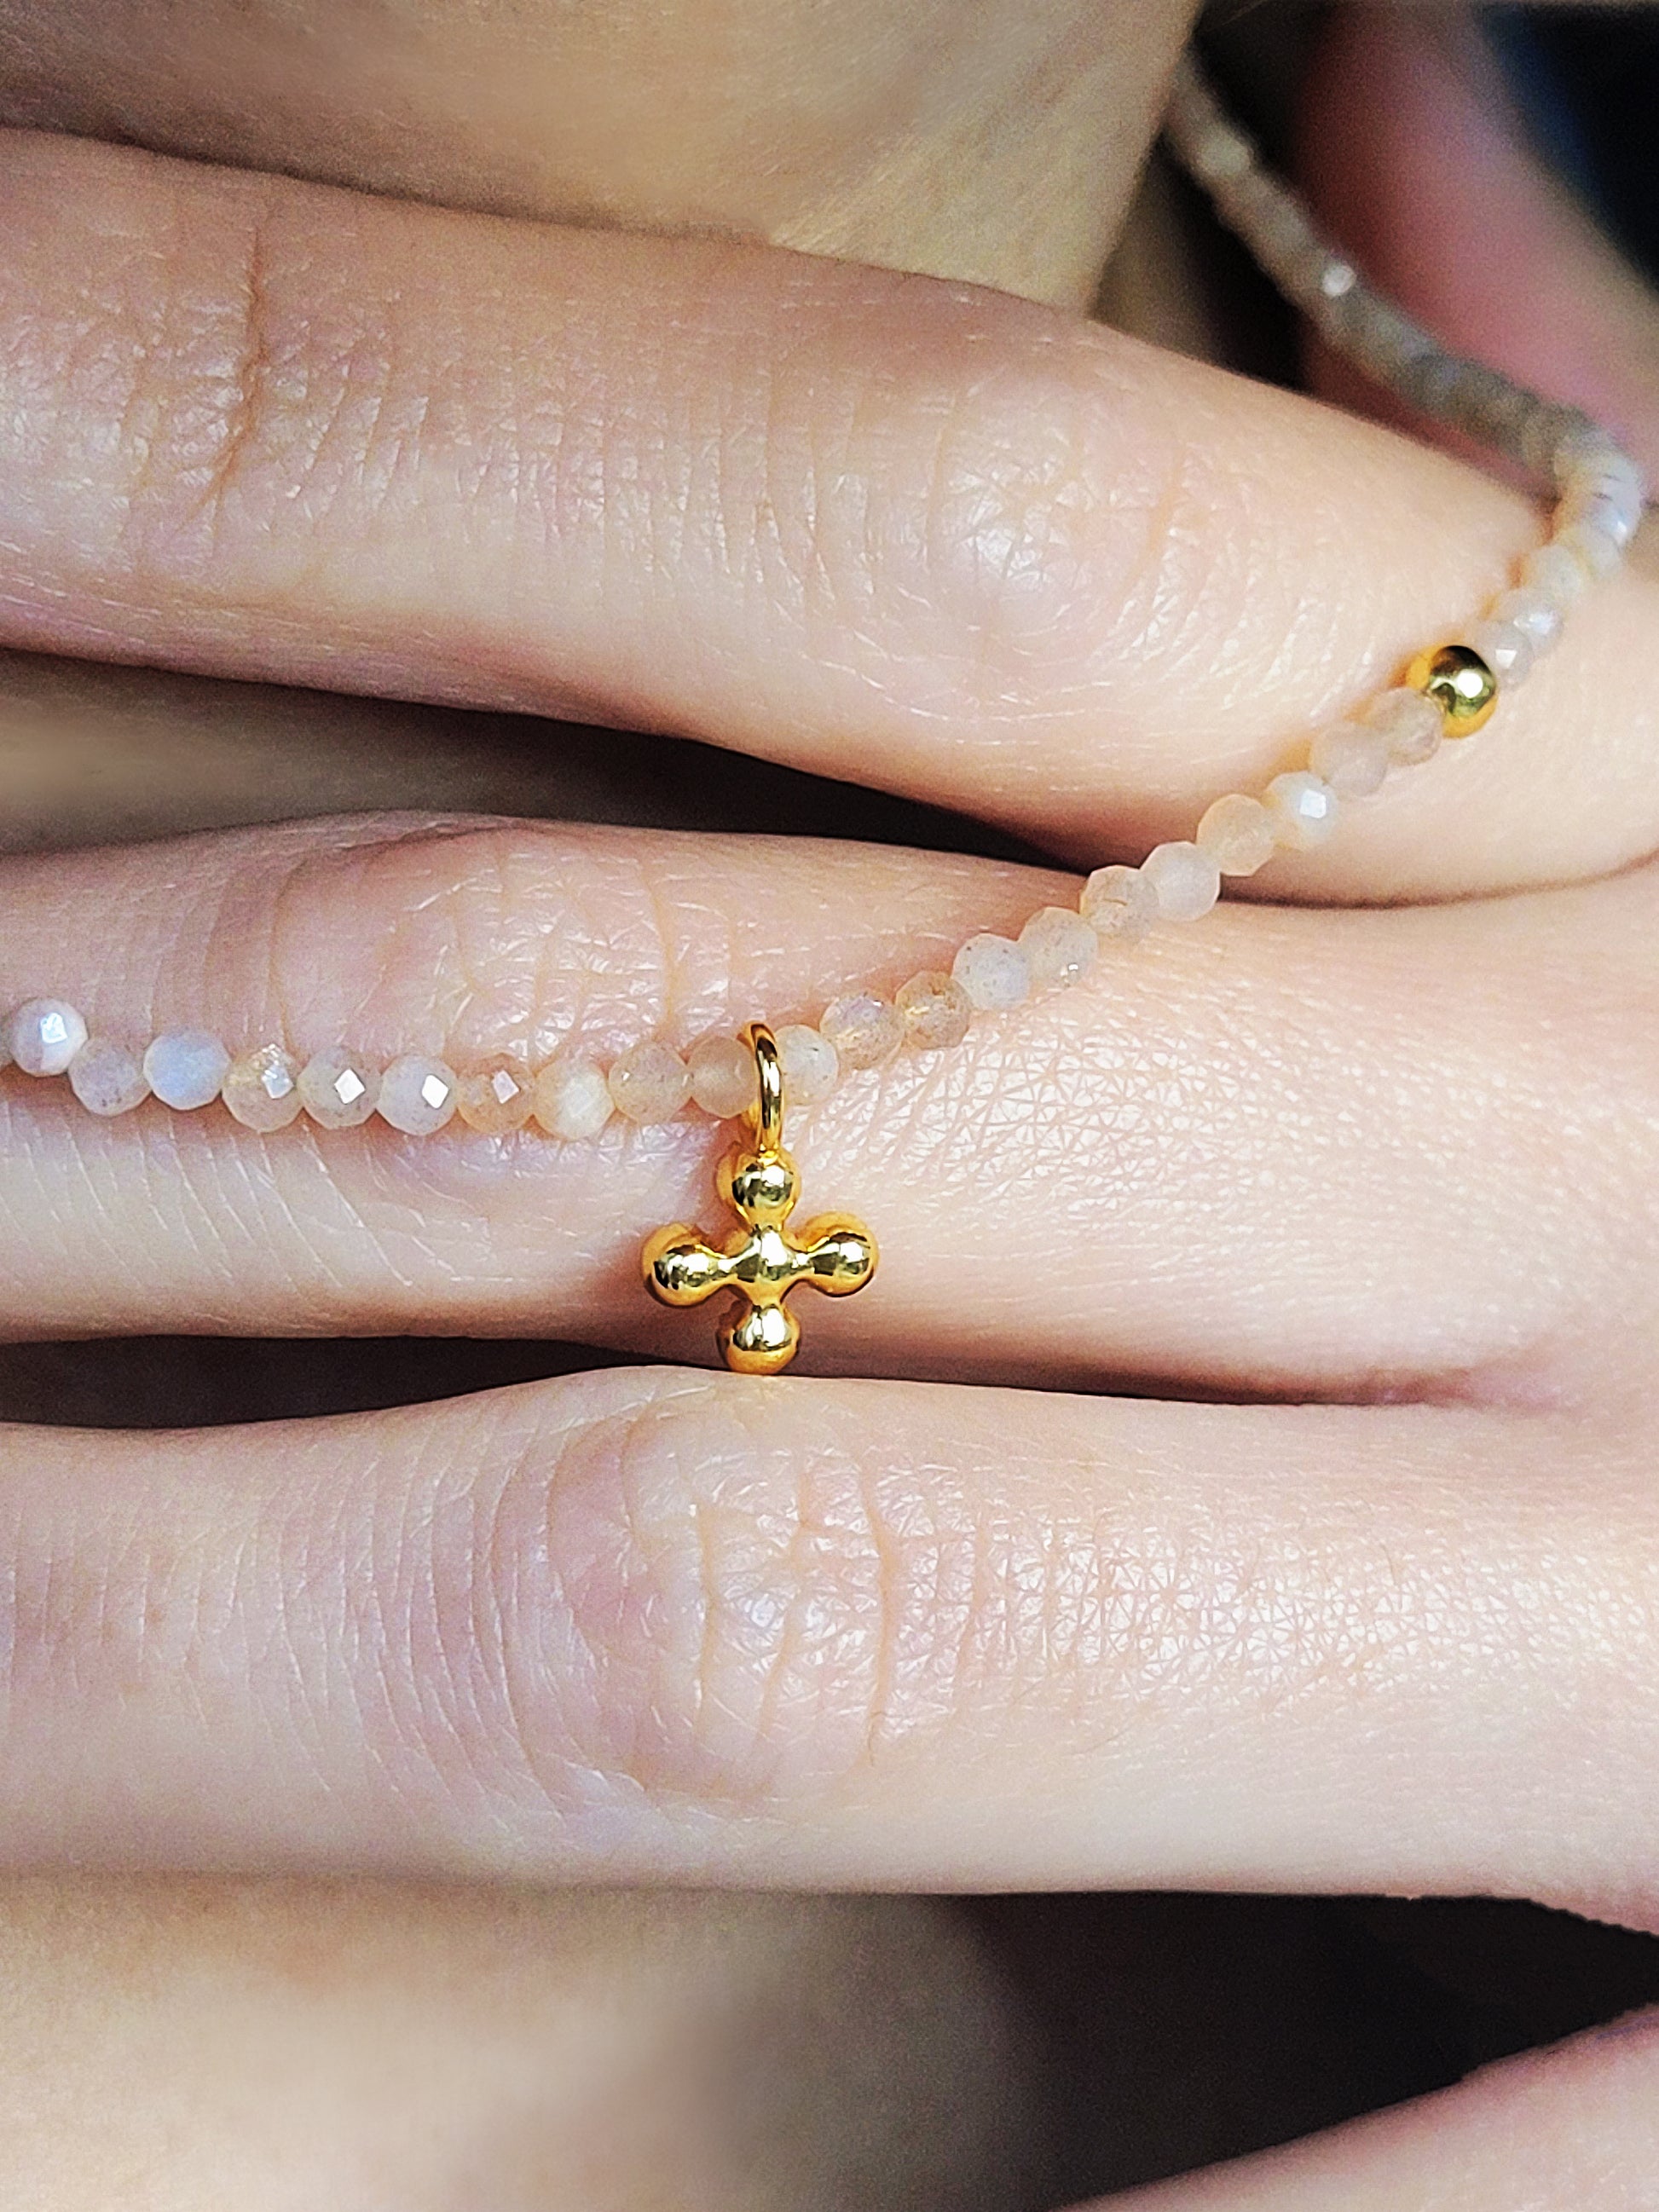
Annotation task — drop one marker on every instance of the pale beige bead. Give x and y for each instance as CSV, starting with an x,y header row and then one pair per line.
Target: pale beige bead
x,y
573,1100
651,1083
339,1091
45,1035
811,1067
1119,902
994,972
418,1095
262,1088
723,1080
1412,725
1505,648
1303,808
1238,834
107,1078
1617,511
1596,550
1185,881
1059,946
1538,619
935,1009
865,1030
1351,758
186,1068
1553,570
495,1098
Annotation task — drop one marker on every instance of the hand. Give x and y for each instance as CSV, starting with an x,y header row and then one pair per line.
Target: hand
x,y
657,1625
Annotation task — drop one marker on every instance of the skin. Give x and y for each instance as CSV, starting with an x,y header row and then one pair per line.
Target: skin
x,y
884,1624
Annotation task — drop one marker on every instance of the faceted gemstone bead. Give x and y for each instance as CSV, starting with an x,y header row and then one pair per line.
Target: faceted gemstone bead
x,y
1597,550
107,1078
994,972
1303,809
1119,902
811,1064
1351,758
1412,725
1058,947
865,1031
186,1068
1505,648
262,1088
1553,570
495,1099
45,1035
418,1095
1186,881
1537,618
935,1009
651,1083
339,1091
1238,834
573,1100
1608,508
723,1081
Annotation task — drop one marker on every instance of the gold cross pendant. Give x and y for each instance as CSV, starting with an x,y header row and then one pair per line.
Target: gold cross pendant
x,y
762,1262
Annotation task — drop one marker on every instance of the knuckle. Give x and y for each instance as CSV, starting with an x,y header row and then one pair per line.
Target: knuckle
x,y
995,497
715,1608
474,936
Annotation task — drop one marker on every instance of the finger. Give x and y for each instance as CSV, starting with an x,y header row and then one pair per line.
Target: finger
x,y
1287,1153
264,2042
1520,274
1571,2129
649,1627
937,540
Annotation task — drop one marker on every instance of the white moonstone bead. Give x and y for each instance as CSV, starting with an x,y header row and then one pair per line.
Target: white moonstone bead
x,y
1351,758
935,1009
1553,571
262,1089
811,1067
864,1030
1616,510
994,972
186,1068
1505,648
1119,902
723,1081
650,1083
1059,946
573,1099
418,1095
1185,881
1538,619
1304,810
339,1091
1591,462
45,1036
495,1099
1238,834
107,1078
1599,552
1412,725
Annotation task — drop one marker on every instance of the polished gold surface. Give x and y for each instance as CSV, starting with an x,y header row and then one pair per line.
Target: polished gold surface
x,y
764,1260
1459,683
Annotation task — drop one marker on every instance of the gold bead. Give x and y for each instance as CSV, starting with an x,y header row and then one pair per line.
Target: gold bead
x,y
1459,683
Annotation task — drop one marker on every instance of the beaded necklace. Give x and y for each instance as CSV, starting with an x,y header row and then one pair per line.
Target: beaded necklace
x,y
1448,693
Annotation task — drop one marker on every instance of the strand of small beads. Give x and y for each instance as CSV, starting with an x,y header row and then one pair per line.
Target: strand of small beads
x,y
1448,693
